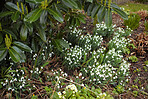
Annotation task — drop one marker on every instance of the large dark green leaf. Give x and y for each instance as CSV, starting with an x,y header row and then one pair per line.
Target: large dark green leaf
x,y
22,46
14,55
58,16
43,17
31,1
33,15
41,33
10,32
95,10
108,17
23,33
15,16
63,43
29,27
3,14
3,54
81,17
121,13
101,14
90,8
1,37
20,53
12,6
70,3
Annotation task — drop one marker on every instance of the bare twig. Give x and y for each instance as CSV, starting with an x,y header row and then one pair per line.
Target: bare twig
x,y
54,89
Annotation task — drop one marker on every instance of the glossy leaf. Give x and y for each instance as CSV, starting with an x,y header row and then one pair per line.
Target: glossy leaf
x,y
6,13
12,6
101,14
70,3
89,1
95,10
10,32
121,13
23,33
43,17
108,17
31,1
20,53
63,43
81,17
3,54
58,16
33,15
22,46
29,27
1,38
14,55
90,8
15,16
41,33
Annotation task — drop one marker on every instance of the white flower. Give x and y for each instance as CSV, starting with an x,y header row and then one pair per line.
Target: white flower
x,y
31,71
20,87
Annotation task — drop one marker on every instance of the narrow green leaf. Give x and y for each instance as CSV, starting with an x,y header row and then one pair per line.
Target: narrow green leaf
x,y
29,26
12,6
81,18
89,1
1,37
70,3
90,8
121,13
95,10
63,43
15,16
23,33
3,54
33,15
20,53
57,44
14,55
22,46
108,18
58,16
43,17
31,1
10,32
101,14
6,13
41,33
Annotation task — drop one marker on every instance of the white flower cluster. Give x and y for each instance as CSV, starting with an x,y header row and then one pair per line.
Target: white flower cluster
x,y
72,87
102,29
17,81
118,42
113,57
74,55
89,42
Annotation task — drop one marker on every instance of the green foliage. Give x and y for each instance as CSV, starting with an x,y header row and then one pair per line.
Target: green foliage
x,y
133,21
133,58
118,90
71,92
146,25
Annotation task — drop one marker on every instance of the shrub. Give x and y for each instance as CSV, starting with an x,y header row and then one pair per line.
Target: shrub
x,y
133,21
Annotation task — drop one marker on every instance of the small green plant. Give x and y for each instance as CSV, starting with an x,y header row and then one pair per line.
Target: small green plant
x,y
34,97
146,25
145,68
133,58
133,21
118,90
146,62
135,93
